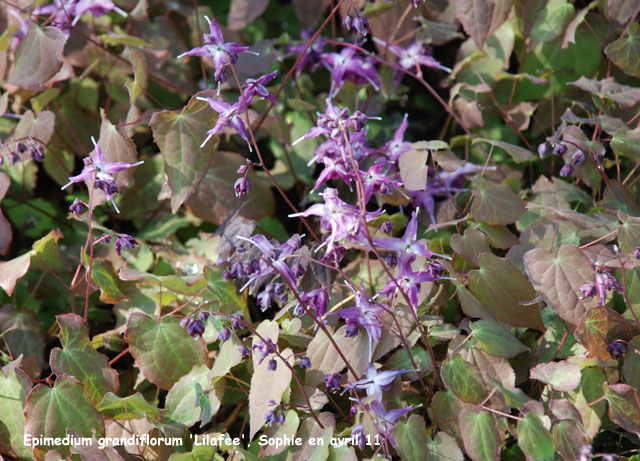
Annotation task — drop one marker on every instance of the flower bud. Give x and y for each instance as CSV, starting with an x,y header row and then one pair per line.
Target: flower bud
x,y
543,150
37,153
386,227
272,365
579,157
560,149
241,187
21,147
224,334
636,253
566,170
78,206
361,25
243,169
305,362
347,22
204,315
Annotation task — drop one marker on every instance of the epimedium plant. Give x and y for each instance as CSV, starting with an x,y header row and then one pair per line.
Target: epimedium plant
x,y
361,230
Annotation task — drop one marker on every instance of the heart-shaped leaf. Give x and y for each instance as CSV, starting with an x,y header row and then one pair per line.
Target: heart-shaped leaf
x,y
503,290
463,378
624,406
534,439
163,350
14,387
37,57
182,400
479,434
625,52
130,407
481,18
495,339
562,376
569,439
496,203
23,334
558,278
601,327
413,169
470,245
58,410
79,359
179,136
411,438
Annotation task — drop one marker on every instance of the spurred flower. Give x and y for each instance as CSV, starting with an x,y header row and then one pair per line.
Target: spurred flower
x,y
222,53
229,116
397,145
125,241
387,419
241,187
349,65
96,167
256,87
375,381
412,57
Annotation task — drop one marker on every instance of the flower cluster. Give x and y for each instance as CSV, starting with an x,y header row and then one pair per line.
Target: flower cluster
x,y
603,282
21,150
66,13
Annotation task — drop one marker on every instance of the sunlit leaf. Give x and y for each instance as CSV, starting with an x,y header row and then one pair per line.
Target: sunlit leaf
x,y
413,169
470,245
625,52
562,376
534,439
183,399
463,379
14,387
624,406
480,435
163,349
495,339
131,407
496,203
411,438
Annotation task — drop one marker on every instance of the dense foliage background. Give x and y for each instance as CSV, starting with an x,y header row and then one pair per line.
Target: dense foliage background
x,y
359,229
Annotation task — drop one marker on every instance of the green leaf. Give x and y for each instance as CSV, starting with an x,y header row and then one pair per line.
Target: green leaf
x,y
569,439
187,404
562,376
14,387
214,198
558,278
495,339
496,203
443,447
103,276
624,406
590,390
553,21
625,52
479,434
628,233
123,39
446,407
517,153
130,407
502,288
163,350
79,359
140,83
632,363
463,379
37,58
226,292
627,143
421,358
55,411
23,334
40,102
534,439
602,326
411,438
179,136
470,245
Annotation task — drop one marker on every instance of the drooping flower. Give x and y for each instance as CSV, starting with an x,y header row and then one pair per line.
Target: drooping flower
x,y
387,419
616,348
412,57
222,53
603,282
67,13
349,65
224,334
397,145
96,167
305,362
312,59
229,116
241,187
78,206
273,259
375,381
125,241
332,382
256,87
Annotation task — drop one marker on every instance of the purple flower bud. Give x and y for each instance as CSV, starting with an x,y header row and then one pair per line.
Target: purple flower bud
x,y
224,334
616,348
544,149
347,22
21,147
319,300
332,381
391,260
270,417
588,290
361,26
244,350
13,158
204,315
387,227
78,206
272,365
195,328
236,321
560,149
636,253
579,157
241,187
305,362
353,410
415,3
106,238
243,169
184,322
37,153
566,170
298,270
270,403
280,418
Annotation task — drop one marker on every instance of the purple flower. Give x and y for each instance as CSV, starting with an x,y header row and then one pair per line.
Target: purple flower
x,y
256,86
265,348
410,58
271,417
386,227
348,65
566,170
332,382
305,362
363,315
616,348
397,145
97,167
224,334
408,244
636,253
387,419
195,328
347,22
272,365
229,116
244,350
236,321
361,25
222,53
78,206
603,282
411,281
377,181
273,259
579,157
67,13
242,187
336,216
375,381
125,241
37,153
